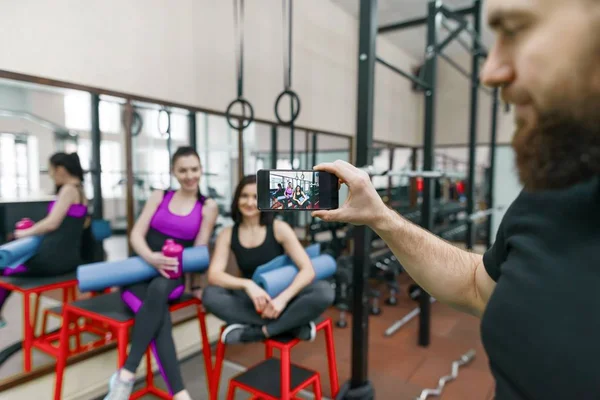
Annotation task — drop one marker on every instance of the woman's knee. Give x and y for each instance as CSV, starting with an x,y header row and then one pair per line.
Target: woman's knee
x,y
322,294
212,296
160,288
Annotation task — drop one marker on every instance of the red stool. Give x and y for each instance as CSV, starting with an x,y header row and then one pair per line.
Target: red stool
x,y
28,286
110,311
287,375
265,381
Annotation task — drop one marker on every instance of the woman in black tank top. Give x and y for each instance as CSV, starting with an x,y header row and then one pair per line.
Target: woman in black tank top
x,y
61,247
256,239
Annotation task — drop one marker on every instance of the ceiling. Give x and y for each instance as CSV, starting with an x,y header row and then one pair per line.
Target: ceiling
x,y
412,40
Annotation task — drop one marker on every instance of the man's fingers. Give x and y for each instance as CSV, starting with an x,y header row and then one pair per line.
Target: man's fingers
x,y
329,215
339,168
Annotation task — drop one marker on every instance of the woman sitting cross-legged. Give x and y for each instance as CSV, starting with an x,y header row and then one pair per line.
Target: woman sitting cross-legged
x,y
250,313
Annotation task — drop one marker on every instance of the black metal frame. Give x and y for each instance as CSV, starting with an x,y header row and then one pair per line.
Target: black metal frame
x,y
359,386
471,226
96,167
492,167
364,138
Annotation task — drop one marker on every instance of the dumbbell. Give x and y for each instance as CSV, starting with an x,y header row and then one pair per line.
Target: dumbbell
x,y
394,289
342,322
374,295
414,291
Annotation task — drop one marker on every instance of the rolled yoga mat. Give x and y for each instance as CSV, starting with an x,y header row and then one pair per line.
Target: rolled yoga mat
x,y
102,275
277,280
17,252
314,250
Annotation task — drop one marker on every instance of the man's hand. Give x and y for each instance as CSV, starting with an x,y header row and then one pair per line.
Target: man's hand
x,y
274,308
363,205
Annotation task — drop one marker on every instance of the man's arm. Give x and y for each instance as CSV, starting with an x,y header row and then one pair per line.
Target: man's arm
x,y
449,274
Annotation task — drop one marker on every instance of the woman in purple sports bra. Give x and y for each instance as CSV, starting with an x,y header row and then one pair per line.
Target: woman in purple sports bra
x,y
189,218
61,248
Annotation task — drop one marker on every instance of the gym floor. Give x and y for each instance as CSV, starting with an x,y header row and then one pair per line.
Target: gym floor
x,y
398,367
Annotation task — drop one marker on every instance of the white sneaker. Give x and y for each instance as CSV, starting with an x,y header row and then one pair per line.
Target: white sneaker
x,y
233,333
118,389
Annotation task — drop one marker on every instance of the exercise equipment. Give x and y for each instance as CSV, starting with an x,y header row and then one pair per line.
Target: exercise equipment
x,y
372,171
312,251
277,280
244,121
384,268
101,229
15,253
287,78
415,292
463,360
101,275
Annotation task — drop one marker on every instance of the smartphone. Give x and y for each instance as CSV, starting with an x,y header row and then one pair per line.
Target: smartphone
x,y
296,190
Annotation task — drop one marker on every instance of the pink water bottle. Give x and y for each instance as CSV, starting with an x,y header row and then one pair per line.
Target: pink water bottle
x,y
172,249
25,223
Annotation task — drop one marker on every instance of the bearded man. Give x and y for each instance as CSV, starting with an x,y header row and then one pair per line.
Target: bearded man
x,y
536,288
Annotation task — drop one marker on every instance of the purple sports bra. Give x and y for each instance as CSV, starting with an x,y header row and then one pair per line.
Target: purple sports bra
x,y
183,227
75,210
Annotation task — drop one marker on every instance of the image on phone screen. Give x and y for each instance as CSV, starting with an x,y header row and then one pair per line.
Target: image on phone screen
x,y
296,190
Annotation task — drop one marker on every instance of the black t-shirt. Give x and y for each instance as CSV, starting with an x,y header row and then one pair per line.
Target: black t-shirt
x,y
541,328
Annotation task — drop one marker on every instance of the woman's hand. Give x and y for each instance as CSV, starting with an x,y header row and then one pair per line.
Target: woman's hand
x,y
274,308
21,233
162,263
259,297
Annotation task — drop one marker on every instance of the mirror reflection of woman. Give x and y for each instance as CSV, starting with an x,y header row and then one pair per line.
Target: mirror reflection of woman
x,y
62,248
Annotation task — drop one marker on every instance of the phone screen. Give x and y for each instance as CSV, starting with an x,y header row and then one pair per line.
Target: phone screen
x,y
296,190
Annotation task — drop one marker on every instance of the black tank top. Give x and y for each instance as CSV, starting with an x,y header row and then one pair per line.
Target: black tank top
x,y
60,250
248,259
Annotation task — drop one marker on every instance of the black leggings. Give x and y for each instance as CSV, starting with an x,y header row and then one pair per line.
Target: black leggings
x,y
153,322
235,307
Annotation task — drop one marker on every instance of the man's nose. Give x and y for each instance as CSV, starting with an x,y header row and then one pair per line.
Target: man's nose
x,y
497,70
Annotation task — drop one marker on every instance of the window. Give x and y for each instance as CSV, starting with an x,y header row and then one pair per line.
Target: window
x,y
78,115
18,164
110,117
218,148
8,166
180,130
111,157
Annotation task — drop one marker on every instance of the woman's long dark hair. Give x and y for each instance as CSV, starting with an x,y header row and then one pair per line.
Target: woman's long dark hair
x,y
266,218
70,162
185,151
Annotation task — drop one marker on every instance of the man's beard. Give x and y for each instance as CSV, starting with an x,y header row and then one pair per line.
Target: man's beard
x,y
562,149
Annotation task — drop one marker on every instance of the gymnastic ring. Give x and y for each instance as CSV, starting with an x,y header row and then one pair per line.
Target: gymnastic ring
x,y
245,121
295,101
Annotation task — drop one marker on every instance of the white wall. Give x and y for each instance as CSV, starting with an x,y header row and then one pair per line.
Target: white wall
x,y
185,54
453,108
506,184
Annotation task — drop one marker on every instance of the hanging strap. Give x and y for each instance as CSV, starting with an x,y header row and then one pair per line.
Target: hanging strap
x,y
246,118
287,43
238,21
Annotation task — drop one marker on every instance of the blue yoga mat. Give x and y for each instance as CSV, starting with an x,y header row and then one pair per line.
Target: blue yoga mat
x,y
313,251
101,229
277,280
17,252
102,275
